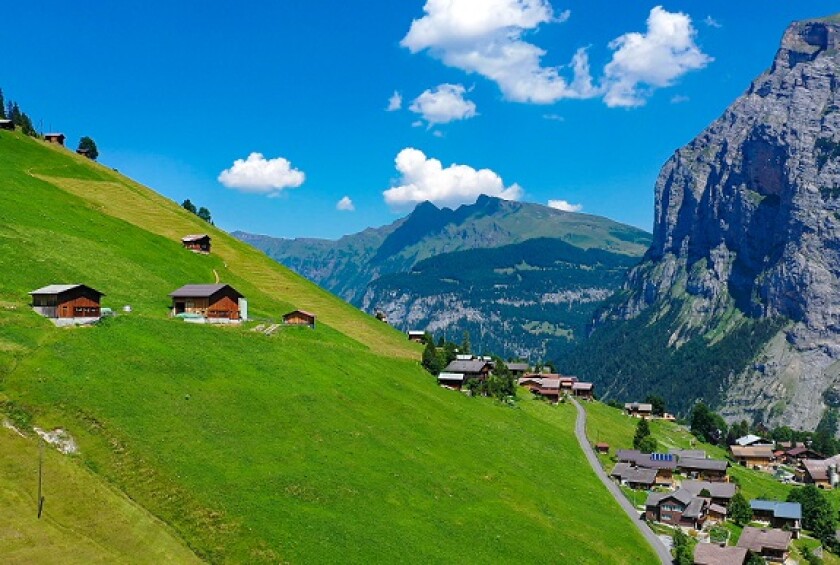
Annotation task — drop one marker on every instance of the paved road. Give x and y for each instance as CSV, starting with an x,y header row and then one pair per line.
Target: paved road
x,y
653,540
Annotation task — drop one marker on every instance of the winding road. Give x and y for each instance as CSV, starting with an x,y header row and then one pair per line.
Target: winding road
x,y
580,431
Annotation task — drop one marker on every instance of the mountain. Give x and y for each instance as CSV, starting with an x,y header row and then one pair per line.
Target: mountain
x,y
229,445
735,302
523,279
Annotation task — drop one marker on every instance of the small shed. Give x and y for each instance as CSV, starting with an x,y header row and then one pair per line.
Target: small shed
x,y
198,243
416,336
83,152
7,124
299,318
64,301
55,138
215,302
602,447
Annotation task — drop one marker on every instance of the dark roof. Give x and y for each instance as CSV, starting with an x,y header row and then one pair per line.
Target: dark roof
x,y
638,406
304,312
517,366
716,490
195,237
639,476
682,496
783,510
703,464
649,461
62,288
200,290
466,366
692,453
582,386
695,508
756,539
713,554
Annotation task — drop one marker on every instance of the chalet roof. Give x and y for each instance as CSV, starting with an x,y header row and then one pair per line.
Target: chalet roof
x,y
550,383
5,121
802,450
517,366
638,407
200,290
757,539
751,439
716,490
523,380
784,510
752,451
194,237
620,468
695,508
638,475
818,468
582,386
62,288
691,453
451,377
682,496
417,333
649,461
54,135
467,366
718,509
304,312
713,554
703,464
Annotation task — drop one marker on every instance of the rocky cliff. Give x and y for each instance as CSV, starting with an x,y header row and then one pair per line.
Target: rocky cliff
x,y
747,227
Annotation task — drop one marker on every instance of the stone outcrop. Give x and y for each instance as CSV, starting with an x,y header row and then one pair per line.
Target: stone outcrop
x,y
748,219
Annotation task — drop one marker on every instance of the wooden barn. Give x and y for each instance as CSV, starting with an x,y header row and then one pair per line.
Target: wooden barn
x,y
416,336
7,124
67,301
199,243
212,301
55,138
299,318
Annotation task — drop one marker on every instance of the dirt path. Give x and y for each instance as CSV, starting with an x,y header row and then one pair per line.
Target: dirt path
x,y
580,431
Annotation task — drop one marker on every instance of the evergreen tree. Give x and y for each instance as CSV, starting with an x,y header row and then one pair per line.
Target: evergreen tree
x,y
657,403
707,425
89,146
648,445
739,509
466,347
642,431
682,549
2,106
15,113
189,206
26,125
204,214
431,361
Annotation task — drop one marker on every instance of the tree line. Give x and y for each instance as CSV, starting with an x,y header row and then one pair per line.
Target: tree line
x,y
201,212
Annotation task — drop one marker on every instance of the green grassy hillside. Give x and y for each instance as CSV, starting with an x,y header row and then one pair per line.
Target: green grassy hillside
x,y
306,446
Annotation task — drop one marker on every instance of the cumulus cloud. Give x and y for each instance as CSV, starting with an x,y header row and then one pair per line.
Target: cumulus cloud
x,y
711,22
259,175
679,99
652,59
444,104
345,205
423,178
565,206
394,102
486,37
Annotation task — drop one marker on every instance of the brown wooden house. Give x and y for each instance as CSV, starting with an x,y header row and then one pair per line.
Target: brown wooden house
x,y
7,124
66,301
211,301
199,243
55,138
583,390
299,318
416,336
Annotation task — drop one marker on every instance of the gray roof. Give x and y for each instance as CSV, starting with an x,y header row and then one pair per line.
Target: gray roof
x,y
195,237
451,377
620,468
550,383
649,461
638,475
716,490
713,554
694,508
692,453
466,366
703,464
638,406
517,366
752,439
582,386
59,288
200,290
756,539
784,510
682,496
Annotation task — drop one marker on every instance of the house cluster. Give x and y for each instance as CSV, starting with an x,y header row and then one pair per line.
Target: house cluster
x,y
552,386
791,461
644,411
771,544
646,470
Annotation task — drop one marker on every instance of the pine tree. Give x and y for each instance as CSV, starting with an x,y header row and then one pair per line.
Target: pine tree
x,y
2,106
739,509
189,206
642,431
88,145
431,361
204,214
466,347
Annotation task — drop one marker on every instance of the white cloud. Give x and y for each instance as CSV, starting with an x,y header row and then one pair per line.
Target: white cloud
x,y
654,59
679,99
437,133
417,124
424,179
259,175
565,206
485,37
444,104
563,16
711,22
394,102
554,117
345,205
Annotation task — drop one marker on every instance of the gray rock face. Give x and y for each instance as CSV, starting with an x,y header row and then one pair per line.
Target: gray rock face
x,y
748,216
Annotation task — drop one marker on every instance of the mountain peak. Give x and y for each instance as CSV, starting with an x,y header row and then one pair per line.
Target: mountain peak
x,y
806,40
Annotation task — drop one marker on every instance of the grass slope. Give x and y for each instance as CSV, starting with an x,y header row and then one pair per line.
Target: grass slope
x,y
326,445
85,521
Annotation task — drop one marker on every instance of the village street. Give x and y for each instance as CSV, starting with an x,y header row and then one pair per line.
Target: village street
x,y
633,513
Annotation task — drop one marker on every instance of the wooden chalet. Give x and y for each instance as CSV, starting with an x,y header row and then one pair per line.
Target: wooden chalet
x,y
7,124
786,515
214,302
771,544
55,138
517,369
679,508
67,301
820,472
602,447
639,410
416,336
713,470
198,243
299,318
634,477
796,455
583,390
459,371
718,492
752,456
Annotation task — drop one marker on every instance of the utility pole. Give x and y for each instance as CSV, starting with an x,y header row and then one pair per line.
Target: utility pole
x,y
40,476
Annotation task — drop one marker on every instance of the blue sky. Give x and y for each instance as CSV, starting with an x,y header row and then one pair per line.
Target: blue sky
x,y
175,92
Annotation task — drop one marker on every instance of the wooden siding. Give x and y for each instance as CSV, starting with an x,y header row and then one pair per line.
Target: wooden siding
x,y
223,304
299,319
